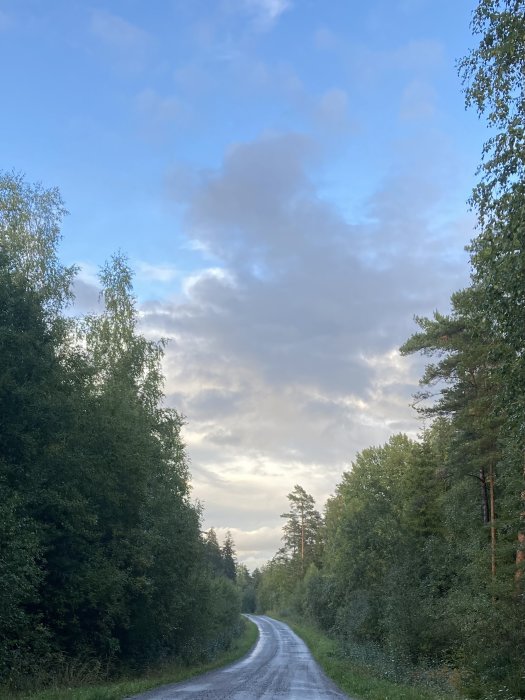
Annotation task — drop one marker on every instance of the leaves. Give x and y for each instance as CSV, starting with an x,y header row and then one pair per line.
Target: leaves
x,y
101,552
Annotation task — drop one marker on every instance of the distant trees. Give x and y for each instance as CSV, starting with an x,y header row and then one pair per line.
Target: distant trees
x,y
282,581
101,551
221,560
247,585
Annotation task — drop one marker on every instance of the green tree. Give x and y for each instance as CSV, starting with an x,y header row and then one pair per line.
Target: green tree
x,y
247,587
302,532
30,218
101,554
213,552
493,78
228,557
29,438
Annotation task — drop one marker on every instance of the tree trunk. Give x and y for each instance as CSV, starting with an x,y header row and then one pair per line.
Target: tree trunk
x,y
520,552
492,523
484,497
302,539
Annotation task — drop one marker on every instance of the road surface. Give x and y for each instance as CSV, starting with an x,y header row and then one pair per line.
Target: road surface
x,y
280,666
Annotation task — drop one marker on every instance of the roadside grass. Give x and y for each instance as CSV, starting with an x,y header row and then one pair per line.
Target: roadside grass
x,y
358,680
167,673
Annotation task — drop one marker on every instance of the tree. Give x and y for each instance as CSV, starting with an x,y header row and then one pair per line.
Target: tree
x,y
33,405
493,77
213,552
302,530
101,549
228,557
246,584
30,218
464,388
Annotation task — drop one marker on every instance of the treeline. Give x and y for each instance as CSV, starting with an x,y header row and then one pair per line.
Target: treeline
x,y
420,559
102,559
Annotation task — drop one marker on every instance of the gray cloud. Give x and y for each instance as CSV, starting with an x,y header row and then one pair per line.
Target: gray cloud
x,y
332,110
283,356
87,296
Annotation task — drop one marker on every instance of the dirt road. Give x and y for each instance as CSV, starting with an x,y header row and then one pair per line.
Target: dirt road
x,y
280,666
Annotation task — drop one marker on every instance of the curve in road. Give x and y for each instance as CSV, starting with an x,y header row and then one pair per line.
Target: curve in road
x,y
279,666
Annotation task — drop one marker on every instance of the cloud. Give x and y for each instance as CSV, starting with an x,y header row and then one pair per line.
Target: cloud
x,y
418,101
127,44
418,58
332,110
326,40
266,12
6,21
253,547
156,273
159,108
416,55
117,32
158,113
86,289
283,356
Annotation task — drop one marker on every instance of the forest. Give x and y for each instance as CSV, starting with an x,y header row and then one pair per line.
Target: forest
x,y
418,560
102,555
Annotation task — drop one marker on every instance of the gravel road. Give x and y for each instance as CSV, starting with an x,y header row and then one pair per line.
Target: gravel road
x,y
279,666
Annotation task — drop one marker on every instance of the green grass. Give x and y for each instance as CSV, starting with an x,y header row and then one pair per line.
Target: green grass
x,y
169,673
355,679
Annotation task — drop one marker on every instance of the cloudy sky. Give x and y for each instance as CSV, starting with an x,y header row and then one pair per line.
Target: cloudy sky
x,y
288,178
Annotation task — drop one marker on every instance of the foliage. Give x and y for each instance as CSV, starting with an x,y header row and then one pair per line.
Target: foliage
x,y
283,583
247,585
368,677
77,682
30,218
302,530
101,555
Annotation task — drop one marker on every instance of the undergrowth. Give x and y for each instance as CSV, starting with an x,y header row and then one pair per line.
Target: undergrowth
x,y
369,677
81,681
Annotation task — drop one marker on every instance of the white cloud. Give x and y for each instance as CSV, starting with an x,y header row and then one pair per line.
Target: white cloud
x,y
253,547
267,12
193,284
156,273
117,32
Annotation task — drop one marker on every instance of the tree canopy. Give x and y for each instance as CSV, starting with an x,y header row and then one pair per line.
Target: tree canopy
x,y
102,553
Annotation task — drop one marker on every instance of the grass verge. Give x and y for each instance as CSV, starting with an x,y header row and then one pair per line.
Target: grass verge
x,y
168,673
355,679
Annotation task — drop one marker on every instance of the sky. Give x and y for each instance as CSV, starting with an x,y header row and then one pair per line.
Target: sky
x,y
289,180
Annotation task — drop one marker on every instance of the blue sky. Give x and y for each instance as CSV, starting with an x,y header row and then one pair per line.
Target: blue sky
x,y
289,179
